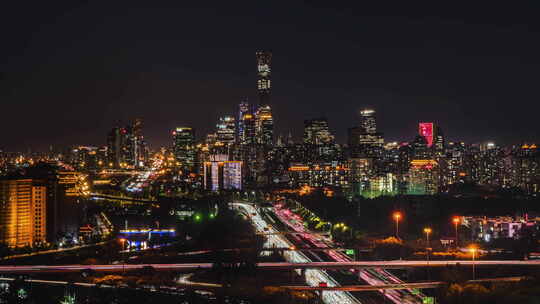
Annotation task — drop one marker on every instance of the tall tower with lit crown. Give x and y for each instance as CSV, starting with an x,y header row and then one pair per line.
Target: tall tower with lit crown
x,y
263,115
264,84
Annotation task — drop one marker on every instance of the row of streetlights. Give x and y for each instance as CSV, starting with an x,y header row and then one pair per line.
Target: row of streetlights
x,y
427,230
398,216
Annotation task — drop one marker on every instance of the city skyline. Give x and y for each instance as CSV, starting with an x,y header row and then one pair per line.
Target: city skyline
x,y
84,88
299,152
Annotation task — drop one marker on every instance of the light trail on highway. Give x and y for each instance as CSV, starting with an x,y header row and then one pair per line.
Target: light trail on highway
x,y
375,276
313,276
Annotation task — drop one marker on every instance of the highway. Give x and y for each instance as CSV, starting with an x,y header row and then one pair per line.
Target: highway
x,y
313,276
135,185
184,280
373,275
419,285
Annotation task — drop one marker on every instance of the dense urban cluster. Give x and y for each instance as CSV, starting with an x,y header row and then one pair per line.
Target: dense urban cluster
x,y
244,153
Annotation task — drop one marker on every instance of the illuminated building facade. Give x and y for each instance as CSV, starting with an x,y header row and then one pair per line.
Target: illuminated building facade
x,y
137,149
361,170
264,84
226,130
365,141
420,148
250,130
264,124
64,190
439,141
488,165
318,175
243,109
457,164
85,157
318,141
126,147
116,147
423,177
427,131
316,132
522,168
368,122
184,147
222,174
22,212
385,184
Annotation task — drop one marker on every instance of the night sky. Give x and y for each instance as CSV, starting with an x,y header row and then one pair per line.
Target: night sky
x,y
70,71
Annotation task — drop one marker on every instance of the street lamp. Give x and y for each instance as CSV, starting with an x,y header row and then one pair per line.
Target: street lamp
x,y
427,231
455,220
473,250
397,218
123,241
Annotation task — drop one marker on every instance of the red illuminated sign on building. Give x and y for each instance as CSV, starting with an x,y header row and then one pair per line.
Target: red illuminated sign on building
x,y
425,129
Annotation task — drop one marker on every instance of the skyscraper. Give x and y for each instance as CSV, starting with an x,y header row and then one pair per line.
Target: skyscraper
x,y
316,132
243,109
365,141
438,140
126,146
250,130
367,121
264,124
138,149
226,130
264,85
116,146
427,130
184,147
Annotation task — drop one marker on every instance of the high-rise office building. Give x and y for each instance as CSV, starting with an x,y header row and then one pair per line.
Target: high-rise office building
x,y
316,132
368,122
22,212
138,149
243,109
250,129
420,148
427,130
225,130
126,147
264,85
85,158
365,141
184,147
116,146
319,142
438,140
264,124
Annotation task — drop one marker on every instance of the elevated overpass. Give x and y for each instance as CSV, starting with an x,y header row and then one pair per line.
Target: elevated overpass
x,y
400,264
